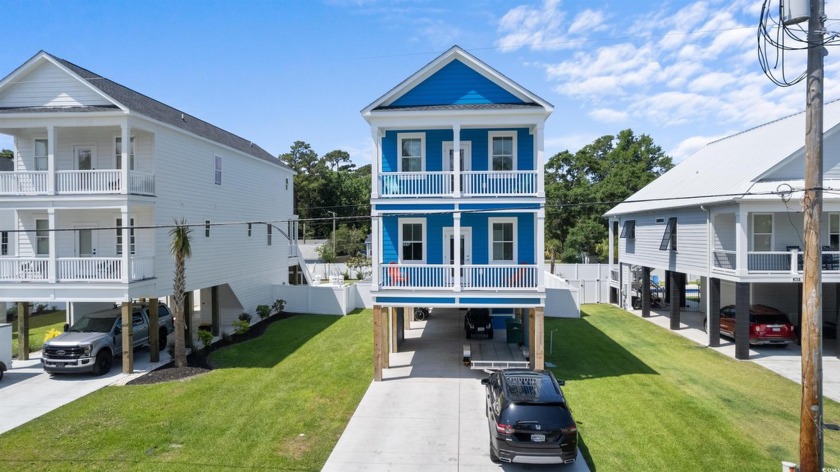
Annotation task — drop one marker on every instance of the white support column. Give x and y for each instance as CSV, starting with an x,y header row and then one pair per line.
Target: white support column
x,y
456,247
540,256
376,244
125,147
611,252
742,219
126,243
375,160
539,145
51,264
456,163
51,160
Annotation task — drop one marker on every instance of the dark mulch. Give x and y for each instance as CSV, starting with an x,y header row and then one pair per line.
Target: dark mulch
x,y
197,362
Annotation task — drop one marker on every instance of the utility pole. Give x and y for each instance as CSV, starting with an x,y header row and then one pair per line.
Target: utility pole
x,y
811,418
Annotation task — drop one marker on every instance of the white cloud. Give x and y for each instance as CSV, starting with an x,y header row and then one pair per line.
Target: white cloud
x,y
608,115
569,142
588,20
691,145
538,28
6,142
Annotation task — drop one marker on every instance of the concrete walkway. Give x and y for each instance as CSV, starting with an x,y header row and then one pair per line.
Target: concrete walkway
x,y
27,392
428,412
786,361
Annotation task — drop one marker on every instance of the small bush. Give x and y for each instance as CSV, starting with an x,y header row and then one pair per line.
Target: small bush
x,y
52,333
278,306
264,311
245,317
360,274
226,337
346,275
206,338
241,326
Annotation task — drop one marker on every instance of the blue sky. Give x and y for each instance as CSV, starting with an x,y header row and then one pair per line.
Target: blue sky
x,y
684,72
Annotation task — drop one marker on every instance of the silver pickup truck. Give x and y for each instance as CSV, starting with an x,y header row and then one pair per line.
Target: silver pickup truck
x,y
94,339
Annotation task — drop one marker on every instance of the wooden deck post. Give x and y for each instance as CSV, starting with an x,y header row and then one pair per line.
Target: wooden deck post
x,y
394,314
23,330
532,339
127,339
384,331
539,338
377,343
408,315
154,335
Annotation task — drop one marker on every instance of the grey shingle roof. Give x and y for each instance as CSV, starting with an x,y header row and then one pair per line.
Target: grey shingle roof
x,y
164,113
470,106
80,109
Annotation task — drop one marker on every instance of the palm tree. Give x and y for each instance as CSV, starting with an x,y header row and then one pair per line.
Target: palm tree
x,y
180,248
552,247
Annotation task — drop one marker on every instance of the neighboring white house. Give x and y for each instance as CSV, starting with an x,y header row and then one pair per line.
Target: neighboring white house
x,y
93,214
464,231
732,214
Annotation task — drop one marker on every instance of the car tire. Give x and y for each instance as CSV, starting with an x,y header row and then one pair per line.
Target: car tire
x,y
494,458
162,339
104,362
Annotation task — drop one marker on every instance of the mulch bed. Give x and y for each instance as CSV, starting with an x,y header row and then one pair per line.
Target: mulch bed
x,y
197,362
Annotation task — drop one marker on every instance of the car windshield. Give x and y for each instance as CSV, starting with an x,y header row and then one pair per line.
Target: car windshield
x,y
769,319
548,414
528,387
93,324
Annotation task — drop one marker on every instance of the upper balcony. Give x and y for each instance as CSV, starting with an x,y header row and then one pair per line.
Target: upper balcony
x,y
77,182
472,184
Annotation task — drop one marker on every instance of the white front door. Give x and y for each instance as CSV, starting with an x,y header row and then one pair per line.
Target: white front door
x,y
448,156
85,241
449,250
85,155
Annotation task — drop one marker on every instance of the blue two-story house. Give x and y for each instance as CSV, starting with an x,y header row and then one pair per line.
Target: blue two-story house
x,y
458,232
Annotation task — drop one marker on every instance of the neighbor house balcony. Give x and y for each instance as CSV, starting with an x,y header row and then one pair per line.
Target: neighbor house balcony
x,y
472,277
521,183
774,262
75,269
77,182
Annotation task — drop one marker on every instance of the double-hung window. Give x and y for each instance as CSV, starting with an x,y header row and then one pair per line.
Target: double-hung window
x,y
412,240
218,170
42,237
502,150
412,149
4,243
41,159
118,153
502,240
268,234
834,231
762,232
132,242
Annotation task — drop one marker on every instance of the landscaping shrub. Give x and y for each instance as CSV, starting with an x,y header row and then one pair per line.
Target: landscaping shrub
x,y
278,306
52,333
245,317
206,338
241,326
264,311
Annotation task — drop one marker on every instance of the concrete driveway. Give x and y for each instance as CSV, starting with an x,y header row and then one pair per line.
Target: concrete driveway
x,y
27,392
427,413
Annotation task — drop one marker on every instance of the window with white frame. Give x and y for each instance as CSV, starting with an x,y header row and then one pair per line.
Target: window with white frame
x,y
118,153
502,240
834,231
42,237
412,149
268,234
218,170
132,243
762,232
4,243
412,240
502,150
41,159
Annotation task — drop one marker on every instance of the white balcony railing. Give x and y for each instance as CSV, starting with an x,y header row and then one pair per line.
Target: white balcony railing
x,y
488,183
473,277
415,184
76,182
774,262
75,269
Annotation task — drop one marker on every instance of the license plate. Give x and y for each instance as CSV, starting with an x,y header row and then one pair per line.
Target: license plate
x,y
480,329
776,330
538,438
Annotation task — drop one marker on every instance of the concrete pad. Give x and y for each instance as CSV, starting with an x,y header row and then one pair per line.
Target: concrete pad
x,y
28,392
428,412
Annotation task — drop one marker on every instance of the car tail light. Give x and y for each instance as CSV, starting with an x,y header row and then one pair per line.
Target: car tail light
x,y
759,328
504,428
569,429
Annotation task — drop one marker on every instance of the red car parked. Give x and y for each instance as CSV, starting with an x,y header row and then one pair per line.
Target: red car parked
x,y
767,325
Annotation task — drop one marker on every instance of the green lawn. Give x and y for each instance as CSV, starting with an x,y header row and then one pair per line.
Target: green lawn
x,y
649,400
38,327
279,402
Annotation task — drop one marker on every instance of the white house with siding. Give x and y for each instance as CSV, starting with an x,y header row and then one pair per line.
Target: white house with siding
x,y
92,214
732,214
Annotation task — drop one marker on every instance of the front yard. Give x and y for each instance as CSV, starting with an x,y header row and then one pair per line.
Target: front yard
x,y
646,399
278,402
39,325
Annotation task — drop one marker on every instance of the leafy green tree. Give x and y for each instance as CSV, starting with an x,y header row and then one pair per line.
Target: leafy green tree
x,y
581,187
7,154
326,253
180,247
338,161
349,241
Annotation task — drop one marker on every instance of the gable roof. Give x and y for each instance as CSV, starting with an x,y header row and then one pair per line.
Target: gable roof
x,y
729,168
491,89
129,100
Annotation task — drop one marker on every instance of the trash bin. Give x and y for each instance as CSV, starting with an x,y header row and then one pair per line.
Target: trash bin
x,y
5,348
514,331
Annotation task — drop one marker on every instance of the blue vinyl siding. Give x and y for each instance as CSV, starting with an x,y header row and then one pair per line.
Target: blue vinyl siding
x,y
455,84
390,239
478,138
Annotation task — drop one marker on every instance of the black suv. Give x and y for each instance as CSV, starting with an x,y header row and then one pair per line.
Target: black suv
x,y
529,419
477,321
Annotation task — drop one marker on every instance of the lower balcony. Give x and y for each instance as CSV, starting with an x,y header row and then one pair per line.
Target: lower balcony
x,y
75,269
472,277
472,183
77,182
